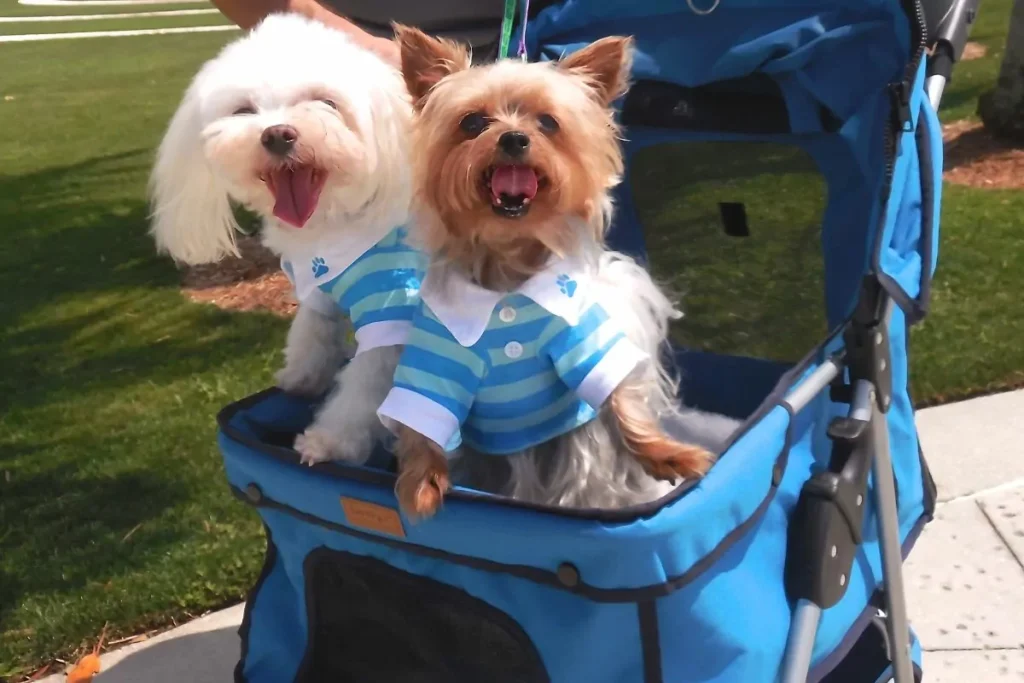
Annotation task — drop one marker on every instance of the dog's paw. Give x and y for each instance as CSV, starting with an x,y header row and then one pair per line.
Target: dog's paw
x,y
314,446
301,382
671,460
421,497
318,445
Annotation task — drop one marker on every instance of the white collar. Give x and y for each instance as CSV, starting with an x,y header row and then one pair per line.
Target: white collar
x,y
465,308
312,265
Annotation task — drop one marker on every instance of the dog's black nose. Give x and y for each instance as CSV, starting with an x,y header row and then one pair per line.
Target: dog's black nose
x,y
514,143
279,139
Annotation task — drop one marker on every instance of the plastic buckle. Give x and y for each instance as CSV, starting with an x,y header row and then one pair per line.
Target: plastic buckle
x,y
827,524
900,95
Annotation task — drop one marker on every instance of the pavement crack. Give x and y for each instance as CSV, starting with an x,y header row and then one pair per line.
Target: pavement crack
x,y
1002,537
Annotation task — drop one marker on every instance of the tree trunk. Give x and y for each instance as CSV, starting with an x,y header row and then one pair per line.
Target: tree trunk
x,y
1002,109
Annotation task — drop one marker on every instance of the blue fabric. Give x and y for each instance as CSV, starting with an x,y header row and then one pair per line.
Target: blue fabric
x,y
727,625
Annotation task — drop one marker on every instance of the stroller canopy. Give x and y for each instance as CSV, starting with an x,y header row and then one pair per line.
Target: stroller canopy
x,y
820,76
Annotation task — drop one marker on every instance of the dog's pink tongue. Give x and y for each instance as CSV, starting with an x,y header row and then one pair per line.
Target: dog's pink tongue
x,y
514,181
296,194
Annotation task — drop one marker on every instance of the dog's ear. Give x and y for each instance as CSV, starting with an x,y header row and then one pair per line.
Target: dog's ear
x,y
606,64
192,219
426,60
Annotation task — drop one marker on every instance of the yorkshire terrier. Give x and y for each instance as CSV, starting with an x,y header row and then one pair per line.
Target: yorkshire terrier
x,y
308,130
534,360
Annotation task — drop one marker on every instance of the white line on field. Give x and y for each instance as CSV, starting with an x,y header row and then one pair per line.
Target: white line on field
x,y
103,3
33,37
118,15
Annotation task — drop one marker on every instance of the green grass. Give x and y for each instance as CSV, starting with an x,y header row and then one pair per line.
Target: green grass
x,y
11,8
18,28
113,503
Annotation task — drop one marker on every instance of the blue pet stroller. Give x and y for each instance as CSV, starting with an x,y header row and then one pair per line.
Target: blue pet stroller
x,y
784,563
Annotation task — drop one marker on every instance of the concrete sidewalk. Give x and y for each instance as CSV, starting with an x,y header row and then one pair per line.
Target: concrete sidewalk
x,y
965,577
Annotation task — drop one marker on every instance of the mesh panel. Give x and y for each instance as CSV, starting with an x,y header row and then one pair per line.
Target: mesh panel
x,y
734,229
371,623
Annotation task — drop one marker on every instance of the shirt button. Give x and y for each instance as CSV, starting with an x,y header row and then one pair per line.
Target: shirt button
x,y
513,349
507,314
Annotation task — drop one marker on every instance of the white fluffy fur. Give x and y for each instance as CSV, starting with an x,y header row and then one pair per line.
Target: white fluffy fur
x,y
352,114
586,468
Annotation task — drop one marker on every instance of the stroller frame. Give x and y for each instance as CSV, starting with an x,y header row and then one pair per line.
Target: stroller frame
x,y
864,430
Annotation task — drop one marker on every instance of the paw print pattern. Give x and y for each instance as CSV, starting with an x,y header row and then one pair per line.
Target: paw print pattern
x,y
566,285
319,267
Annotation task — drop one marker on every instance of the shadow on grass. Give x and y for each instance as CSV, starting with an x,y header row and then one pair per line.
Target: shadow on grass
x,y
84,513
91,302
759,295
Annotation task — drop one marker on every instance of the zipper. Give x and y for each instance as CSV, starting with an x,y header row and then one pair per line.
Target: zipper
x,y
900,92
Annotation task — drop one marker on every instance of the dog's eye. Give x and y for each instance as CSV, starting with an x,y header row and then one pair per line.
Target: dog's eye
x,y
474,124
242,111
548,123
331,104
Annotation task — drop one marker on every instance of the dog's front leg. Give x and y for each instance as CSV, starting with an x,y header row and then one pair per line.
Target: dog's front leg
x,y
347,426
316,347
661,455
423,477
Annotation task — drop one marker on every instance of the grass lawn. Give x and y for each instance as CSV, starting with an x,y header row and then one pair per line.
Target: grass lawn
x,y
113,504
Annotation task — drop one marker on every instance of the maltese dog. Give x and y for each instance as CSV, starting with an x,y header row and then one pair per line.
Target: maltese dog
x,y
298,124
534,359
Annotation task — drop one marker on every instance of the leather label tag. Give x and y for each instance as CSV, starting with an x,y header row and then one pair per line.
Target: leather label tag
x,y
379,518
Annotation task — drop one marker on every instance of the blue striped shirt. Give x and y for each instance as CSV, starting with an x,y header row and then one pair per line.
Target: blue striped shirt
x,y
530,373
376,288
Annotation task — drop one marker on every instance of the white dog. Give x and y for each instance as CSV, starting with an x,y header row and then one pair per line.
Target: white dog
x,y
300,125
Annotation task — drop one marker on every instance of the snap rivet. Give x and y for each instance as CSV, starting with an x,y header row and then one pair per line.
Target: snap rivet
x,y
253,493
568,575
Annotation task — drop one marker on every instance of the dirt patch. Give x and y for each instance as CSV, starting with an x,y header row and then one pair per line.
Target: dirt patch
x,y
253,282
973,51
974,158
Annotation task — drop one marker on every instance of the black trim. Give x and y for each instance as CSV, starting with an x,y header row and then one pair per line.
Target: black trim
x,y
539,576
269,562
628,514
650,640
899,121
916,310
928,485
753,105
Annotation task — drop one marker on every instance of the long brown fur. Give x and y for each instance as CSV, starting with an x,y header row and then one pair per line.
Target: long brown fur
x,y
662,456
423,474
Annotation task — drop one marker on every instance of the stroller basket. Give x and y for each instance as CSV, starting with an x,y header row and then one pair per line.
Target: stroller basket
x,y
783,563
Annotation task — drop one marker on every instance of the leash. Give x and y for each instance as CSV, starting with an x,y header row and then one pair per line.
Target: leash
x,y
507,20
